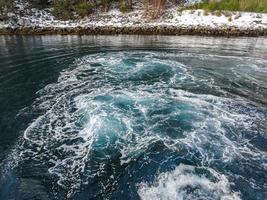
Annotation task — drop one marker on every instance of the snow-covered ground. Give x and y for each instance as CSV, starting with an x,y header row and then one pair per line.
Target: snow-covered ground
x,y
172,17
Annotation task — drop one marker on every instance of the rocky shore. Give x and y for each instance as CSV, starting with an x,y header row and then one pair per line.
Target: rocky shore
x,y
156,30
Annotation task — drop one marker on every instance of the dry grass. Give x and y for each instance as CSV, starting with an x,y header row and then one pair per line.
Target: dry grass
x,y
206,13
233,5
218,13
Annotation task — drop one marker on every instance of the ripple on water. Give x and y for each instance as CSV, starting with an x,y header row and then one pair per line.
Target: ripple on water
x,y
116,107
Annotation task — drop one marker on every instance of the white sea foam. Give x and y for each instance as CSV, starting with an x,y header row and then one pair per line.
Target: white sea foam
x,y
184,183
107,100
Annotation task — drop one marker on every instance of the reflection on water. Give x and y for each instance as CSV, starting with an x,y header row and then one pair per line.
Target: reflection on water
x,y
130,117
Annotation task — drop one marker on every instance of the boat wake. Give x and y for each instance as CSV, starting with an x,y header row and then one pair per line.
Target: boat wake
x,y
162,125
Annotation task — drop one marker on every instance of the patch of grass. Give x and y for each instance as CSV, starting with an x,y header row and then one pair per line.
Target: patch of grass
x,y
63,9
83,8
232,5
123,6
5,7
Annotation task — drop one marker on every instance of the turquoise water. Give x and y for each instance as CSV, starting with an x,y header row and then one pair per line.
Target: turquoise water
x,y
133,117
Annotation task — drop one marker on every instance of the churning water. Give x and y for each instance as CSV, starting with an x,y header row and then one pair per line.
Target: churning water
x,y
133,118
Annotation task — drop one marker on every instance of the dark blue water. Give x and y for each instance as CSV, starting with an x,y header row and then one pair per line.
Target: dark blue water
x,y
133,117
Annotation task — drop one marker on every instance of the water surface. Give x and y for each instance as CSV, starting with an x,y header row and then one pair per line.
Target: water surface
x,y
133,117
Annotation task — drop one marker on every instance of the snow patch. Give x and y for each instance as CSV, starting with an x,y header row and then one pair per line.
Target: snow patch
x,y
32,17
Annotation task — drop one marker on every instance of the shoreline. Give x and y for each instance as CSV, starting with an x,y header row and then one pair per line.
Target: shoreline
x,y
152,30
114,22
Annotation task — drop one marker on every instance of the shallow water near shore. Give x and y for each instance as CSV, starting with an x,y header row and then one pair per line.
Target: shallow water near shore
x,y
133,117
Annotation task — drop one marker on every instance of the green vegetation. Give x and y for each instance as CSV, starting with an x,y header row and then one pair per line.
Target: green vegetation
x,y
232,5
5,7
68,9
123,6
83,8
63,9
